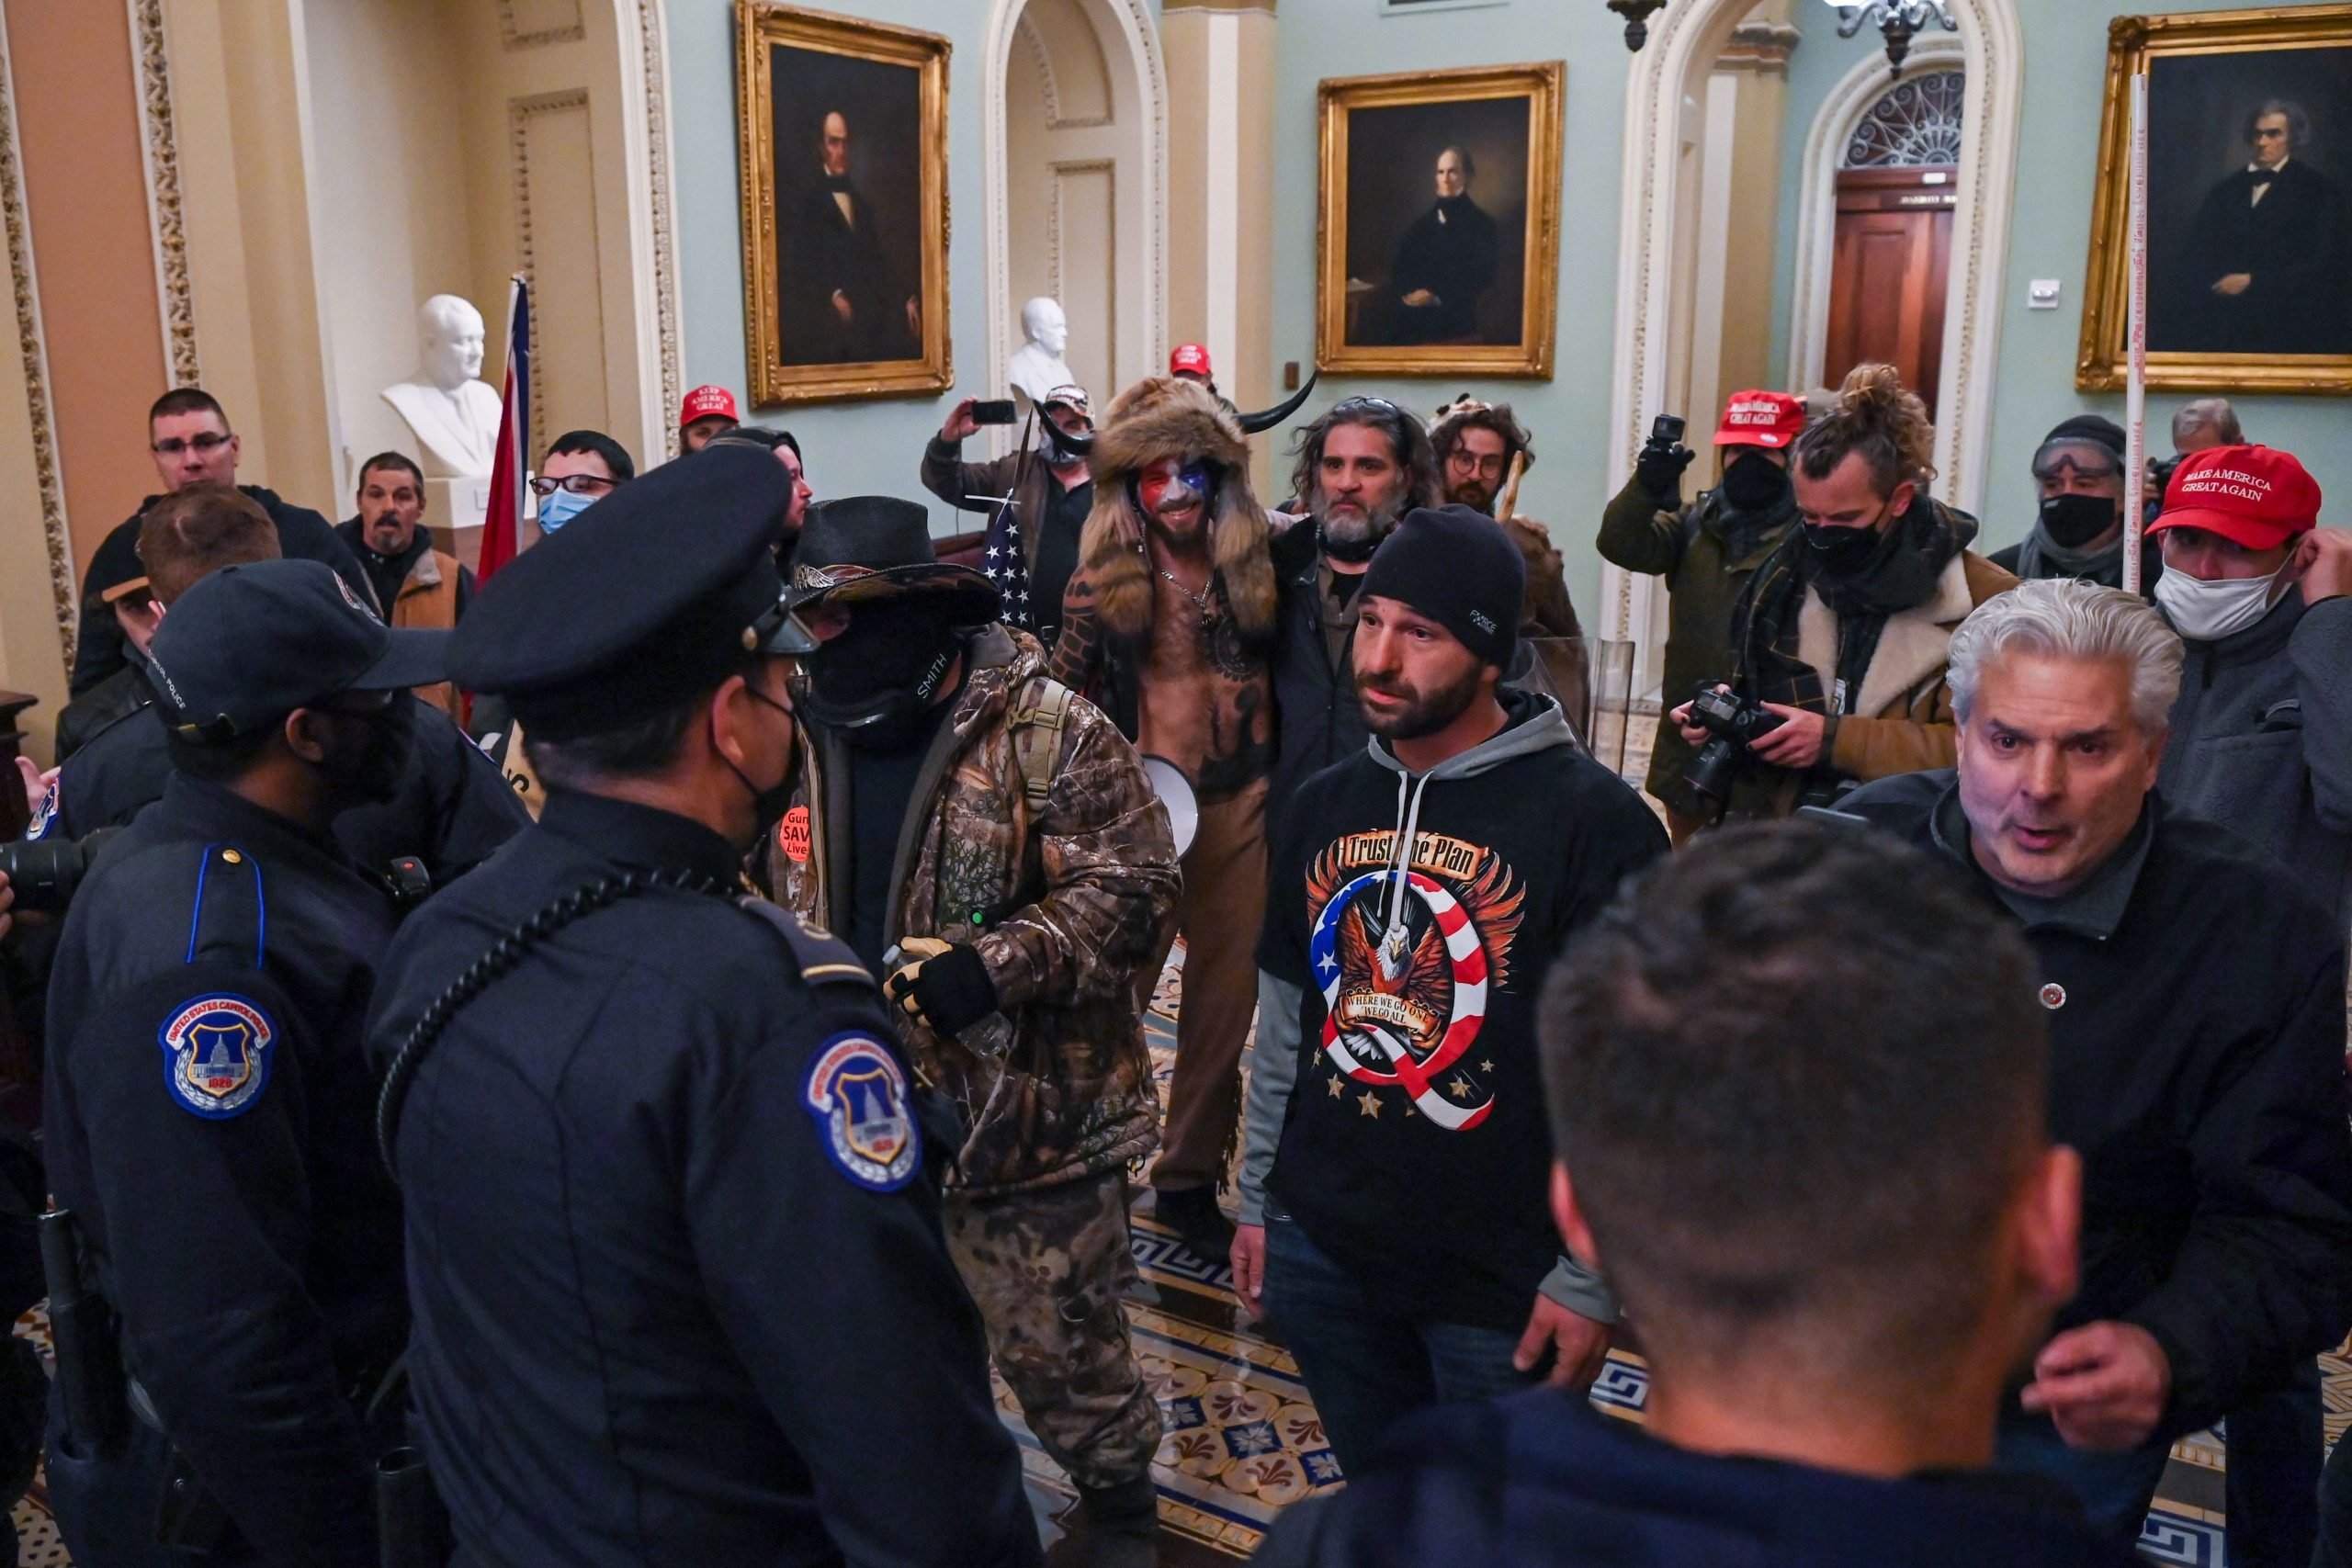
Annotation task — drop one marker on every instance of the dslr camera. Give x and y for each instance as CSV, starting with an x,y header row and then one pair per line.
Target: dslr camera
x,y
45,871
1733,724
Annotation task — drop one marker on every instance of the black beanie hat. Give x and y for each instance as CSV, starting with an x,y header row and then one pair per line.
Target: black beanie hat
x,y
1458,568
2097,430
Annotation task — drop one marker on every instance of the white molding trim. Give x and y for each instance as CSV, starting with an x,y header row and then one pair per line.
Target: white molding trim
x,y
32,347
646,142
1994,57
520,112
159,154
1817,204
1142,35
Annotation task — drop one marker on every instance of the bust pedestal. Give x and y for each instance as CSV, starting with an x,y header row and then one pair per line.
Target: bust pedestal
x,y
455,508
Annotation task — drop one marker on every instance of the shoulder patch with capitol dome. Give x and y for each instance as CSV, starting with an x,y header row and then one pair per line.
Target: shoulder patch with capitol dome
x,y
857,1094
216,1055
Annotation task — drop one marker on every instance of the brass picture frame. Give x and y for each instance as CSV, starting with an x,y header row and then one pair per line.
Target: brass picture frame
x,y
2208,53
1382,136
809,339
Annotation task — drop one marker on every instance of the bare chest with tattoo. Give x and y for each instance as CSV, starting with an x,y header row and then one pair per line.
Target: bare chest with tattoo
x,y
1207,703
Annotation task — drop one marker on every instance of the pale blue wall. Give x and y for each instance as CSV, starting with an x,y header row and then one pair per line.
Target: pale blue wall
x,y
853,448
2065,67
1568,415
875,445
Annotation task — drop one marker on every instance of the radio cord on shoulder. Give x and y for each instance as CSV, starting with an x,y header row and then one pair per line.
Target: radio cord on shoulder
x,y
509,951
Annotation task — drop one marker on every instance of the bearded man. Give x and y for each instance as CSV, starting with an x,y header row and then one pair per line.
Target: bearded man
x,y
1166,625
1481,449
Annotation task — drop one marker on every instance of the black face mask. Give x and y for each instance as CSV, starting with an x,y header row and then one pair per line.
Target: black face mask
x,y
769,805
1841,552
370,757
884,672
2071,521
1754,483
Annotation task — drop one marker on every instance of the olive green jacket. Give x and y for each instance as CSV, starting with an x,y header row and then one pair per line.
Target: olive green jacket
x,y
1683,546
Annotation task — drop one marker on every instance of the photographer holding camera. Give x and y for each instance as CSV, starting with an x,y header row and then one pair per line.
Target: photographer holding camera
x,y
1839,637
1705,550
1051,491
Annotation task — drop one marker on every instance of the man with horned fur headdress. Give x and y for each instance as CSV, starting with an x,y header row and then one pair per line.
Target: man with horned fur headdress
x,y
1167,623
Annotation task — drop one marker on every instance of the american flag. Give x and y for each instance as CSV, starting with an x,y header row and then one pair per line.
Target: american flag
x,y
502,525
1003,563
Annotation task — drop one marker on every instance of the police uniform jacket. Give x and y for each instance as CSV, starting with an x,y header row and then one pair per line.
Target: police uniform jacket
x,y
207,1112
451,809
2196,1009
682,1294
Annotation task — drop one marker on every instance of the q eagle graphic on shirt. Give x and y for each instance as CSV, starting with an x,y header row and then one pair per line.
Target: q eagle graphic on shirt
x,y
1406,961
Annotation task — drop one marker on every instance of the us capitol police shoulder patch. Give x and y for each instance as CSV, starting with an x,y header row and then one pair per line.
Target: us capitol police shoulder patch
x,y
856,1092
216,1055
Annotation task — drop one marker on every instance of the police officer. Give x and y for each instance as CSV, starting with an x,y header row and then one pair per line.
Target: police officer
x,y
682,1294
208,1101
448,806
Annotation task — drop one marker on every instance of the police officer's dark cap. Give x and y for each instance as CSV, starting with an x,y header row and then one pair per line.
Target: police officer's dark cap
x,y
660,589
250,644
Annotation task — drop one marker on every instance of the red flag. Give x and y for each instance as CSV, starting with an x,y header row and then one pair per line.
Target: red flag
x,y
502,526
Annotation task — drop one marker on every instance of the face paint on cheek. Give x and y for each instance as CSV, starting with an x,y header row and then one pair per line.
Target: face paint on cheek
x,y
1166,484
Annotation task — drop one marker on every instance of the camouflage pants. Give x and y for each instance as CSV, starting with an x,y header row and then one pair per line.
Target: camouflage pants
x,y
1047,1268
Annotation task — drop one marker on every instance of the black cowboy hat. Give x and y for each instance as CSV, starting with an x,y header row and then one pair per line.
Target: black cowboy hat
x,y
864,548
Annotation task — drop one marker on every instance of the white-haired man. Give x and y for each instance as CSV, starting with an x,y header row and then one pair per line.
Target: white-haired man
x,y
2196,999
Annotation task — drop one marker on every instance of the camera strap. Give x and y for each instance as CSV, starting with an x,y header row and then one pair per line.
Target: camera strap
x,y
504,955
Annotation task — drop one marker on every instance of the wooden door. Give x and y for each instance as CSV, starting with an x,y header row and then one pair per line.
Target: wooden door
x,y
1889,272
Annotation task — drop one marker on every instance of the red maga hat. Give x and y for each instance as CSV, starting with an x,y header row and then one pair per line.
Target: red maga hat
x,y
1761,418
705,401
2252,496
1189,356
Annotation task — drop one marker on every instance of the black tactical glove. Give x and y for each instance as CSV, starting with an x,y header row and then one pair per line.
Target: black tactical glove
x,y
1660,470
944,988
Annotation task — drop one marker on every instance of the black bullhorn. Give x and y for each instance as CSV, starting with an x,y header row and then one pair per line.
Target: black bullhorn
x,y
1257,424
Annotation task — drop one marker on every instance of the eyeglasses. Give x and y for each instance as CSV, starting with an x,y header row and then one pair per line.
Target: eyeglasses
x,y
203,446
1357,404
577,484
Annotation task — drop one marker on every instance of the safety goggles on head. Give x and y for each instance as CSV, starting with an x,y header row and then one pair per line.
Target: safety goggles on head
x,y
2085,460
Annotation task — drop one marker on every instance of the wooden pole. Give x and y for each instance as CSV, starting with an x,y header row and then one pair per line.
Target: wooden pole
x,y
1506,504
2135,394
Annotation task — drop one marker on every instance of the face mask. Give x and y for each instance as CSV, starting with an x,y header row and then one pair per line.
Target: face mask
x,y
371,755
769,805
1841,552
2208,612
561,507
884,672
1754,483
2071,521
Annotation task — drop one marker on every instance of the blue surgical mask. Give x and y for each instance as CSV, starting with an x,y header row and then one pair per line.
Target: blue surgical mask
x,y
561,507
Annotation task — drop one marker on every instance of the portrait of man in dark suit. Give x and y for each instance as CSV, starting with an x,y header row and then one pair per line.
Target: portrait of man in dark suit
x,y
1443,266
2263,270
847,299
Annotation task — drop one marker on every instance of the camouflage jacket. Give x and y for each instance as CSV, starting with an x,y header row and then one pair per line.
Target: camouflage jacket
x,y
1066,909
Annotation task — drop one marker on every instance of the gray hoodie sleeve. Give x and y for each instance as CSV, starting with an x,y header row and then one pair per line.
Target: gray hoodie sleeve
x,y
1273,1069
2321,648
1580,1290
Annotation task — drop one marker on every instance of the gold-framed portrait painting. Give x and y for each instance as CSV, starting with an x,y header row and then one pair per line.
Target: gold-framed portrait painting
x,y
1438,242
2249,203
844,126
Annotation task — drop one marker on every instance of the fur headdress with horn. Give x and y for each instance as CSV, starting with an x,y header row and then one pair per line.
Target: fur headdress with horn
x,y
1161,417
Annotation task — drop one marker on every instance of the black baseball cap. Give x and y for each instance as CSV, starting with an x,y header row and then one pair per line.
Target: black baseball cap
x,y
667,583
249,643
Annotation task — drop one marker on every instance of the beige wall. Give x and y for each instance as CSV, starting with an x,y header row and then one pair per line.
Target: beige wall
x,y
85,194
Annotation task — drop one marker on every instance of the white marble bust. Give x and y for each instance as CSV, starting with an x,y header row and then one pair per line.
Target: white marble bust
x,y
1037,366
453,414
